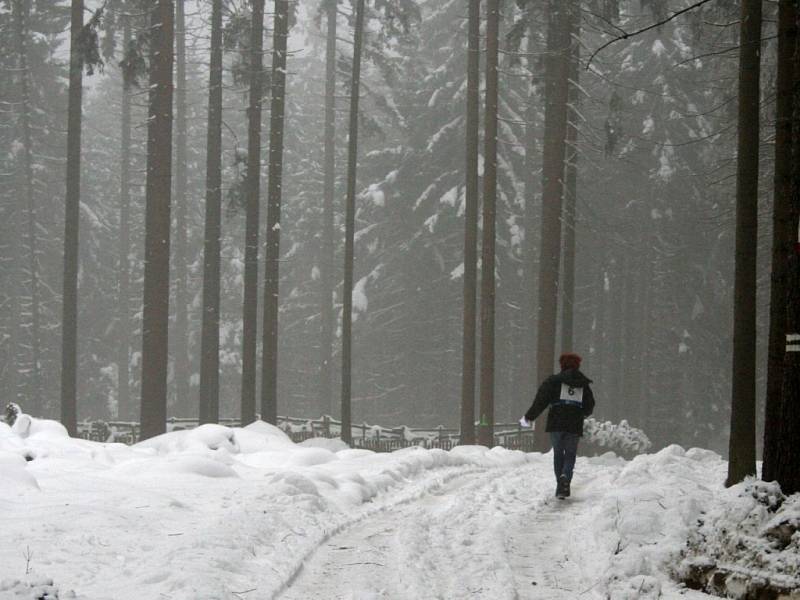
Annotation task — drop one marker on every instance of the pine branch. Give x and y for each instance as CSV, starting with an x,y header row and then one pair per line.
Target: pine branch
x,y
627,36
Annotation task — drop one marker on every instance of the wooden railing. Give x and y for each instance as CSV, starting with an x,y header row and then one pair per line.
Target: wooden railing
x,y
369,437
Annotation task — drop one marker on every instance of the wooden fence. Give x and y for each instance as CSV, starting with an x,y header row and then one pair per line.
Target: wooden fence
x,y
369,437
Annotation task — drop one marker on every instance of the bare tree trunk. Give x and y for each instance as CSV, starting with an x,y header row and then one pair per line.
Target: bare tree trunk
x,y
155,313
486,424
269,364
787,462
181,342
642,390
25,178
616,339
209,341
250,308
69,320
531,265
326,397
555,128
124,407
787,468
471,225
742,448
782,233
350,213
571,185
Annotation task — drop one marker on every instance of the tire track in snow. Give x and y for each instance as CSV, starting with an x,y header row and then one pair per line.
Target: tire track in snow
x,y
414,492
450,543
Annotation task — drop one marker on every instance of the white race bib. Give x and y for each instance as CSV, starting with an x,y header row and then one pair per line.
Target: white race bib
x,y
571,395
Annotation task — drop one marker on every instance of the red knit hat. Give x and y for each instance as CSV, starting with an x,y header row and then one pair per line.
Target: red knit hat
x,y
569,360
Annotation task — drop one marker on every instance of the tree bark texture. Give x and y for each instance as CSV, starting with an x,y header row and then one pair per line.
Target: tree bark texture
x,y
471,226
787,463
571,185
742,443
209,337
269,364
350,213
69,319
486,412
787,460
180,344
253,184
155,314
124,407
530,256
782,234
33,390
326,260
555,130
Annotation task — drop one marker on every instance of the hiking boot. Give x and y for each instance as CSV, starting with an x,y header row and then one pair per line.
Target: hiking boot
x,y
562,487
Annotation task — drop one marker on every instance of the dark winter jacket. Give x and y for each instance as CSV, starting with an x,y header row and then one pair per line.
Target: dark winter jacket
x,y
569,398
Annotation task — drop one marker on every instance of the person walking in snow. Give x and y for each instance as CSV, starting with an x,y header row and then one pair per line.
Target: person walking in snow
x,y
568,396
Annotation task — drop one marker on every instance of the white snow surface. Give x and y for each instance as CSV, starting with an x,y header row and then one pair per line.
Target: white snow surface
x,y
220,512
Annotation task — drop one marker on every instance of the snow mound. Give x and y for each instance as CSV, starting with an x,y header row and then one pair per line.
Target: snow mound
x,y
643,520
32,588
28,426
267,429
330,444
746,545
208,437
15,476
620,437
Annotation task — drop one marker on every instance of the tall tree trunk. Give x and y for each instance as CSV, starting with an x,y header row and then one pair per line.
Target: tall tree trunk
x,y
571,184
209,341
555,129
182,371
25,178
486,424
69,319
350,214
615,338
326,260
531,264
124,408
269,364
471,225
155,313
250,307
787,456
787,468
782,233
742,447
642,390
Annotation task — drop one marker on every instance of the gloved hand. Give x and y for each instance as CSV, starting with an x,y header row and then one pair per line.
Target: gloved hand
x,y
524,422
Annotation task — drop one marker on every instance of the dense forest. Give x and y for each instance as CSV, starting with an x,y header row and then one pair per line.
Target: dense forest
x,y
604,142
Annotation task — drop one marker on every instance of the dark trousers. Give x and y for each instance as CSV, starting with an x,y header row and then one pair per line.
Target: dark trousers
x,y
565,448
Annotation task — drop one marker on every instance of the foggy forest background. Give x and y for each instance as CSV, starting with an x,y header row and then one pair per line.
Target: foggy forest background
x,y
655,213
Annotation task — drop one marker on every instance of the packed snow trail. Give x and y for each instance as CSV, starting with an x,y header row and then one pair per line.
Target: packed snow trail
x,y
498,534
449,544
495,535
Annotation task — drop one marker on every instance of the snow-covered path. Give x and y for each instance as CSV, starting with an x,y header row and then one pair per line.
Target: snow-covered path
x,y
449,544
497,534
218,513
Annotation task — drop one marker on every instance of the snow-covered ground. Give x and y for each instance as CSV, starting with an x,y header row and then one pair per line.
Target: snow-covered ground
x,y
221,513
